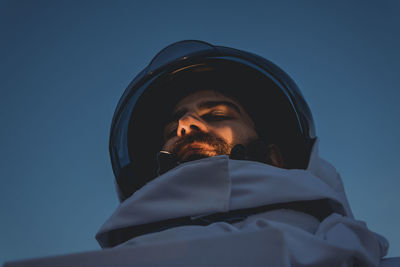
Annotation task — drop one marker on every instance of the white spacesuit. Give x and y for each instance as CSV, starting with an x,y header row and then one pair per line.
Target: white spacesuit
x,y
299,212
278,234
219,185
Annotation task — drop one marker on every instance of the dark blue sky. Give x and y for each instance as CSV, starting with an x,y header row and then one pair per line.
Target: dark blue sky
x,y
64,65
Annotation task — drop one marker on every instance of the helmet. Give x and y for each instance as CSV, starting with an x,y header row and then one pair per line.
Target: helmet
x,y
266,92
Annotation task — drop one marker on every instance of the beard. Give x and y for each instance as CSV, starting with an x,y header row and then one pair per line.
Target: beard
x,y
203,145
198,146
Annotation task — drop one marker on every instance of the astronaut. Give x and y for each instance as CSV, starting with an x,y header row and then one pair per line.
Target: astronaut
x,y
210,144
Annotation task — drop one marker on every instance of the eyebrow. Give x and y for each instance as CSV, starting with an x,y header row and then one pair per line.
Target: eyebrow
x,y
206,104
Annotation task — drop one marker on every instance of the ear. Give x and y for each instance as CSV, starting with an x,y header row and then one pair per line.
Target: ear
x,y
275,156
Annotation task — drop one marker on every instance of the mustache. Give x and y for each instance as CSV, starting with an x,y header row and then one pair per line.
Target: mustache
x,y
220,145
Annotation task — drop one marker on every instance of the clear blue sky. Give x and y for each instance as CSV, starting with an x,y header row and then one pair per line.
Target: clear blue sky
x,y
64,65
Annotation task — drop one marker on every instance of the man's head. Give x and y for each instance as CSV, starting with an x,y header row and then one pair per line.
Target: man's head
x,y
263,116
207,123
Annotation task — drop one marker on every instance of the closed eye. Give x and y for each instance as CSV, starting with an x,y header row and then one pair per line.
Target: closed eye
x,y
211,117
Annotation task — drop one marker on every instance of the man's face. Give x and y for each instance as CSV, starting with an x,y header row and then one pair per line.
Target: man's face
x,y
206,124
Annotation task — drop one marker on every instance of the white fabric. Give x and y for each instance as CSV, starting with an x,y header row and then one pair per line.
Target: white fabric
x,y
219,184
228,250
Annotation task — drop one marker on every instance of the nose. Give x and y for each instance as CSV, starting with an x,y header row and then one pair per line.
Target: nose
x,y
190,123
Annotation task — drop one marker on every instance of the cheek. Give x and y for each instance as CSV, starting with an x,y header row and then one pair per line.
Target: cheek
x,y
169,143
236,134
226,133
244,135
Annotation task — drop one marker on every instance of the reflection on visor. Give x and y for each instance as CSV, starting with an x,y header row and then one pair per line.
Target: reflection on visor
x,y
177,51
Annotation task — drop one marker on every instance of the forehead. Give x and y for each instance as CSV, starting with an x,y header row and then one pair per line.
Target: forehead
x,y
195,99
